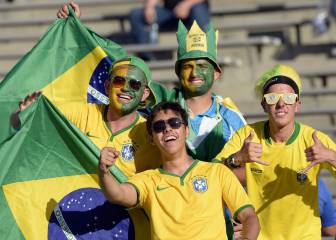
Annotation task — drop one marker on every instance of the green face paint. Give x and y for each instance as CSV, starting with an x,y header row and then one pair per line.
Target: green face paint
x,y
127,86
197,76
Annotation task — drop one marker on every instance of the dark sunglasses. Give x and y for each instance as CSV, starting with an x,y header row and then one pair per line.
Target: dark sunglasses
x,y
119,82
160,125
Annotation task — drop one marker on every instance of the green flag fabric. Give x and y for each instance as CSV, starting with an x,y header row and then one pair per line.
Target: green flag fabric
x,y
68,50
49,181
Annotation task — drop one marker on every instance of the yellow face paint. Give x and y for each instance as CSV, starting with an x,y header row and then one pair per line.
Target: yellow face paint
x,y
120,70
127,86
187,71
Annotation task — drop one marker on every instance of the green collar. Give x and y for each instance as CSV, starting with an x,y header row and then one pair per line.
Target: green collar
x,y
121,130
192,165
292,138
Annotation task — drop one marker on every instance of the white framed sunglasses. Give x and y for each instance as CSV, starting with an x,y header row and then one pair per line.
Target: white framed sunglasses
x,y
273,98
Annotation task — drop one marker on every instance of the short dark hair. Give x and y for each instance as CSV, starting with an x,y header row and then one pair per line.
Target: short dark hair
x,y
165,106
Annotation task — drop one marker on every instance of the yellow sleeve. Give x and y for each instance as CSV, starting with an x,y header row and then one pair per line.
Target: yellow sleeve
x,y
78,113
139,182
234,194
234,144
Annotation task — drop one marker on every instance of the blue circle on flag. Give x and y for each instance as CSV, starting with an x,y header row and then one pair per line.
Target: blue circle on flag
x,y
86,214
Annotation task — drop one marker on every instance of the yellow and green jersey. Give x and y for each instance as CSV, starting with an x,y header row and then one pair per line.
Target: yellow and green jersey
x,y
136,152
287,208
190,206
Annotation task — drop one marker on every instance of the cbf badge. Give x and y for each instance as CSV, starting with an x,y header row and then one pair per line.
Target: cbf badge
x,y
127,152
301,176
200,184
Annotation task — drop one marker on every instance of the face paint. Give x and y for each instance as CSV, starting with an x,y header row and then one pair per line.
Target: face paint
x,y
197,76
124,92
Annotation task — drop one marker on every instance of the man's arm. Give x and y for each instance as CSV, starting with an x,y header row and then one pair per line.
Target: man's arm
x,y
25,103
149,10
327,211
240,174
123,194
182,9
250,224
319,153
64,13
329,231
250,152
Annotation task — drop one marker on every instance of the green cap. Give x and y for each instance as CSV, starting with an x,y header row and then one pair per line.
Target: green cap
x,y
274,75
139,63
196,44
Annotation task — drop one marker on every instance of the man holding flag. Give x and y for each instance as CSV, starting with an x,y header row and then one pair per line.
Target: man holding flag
x,y
117,124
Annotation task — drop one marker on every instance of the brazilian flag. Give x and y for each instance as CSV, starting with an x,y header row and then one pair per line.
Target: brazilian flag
x,y
49,187
69,63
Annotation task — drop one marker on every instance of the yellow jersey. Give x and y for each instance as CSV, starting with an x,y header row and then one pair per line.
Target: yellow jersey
x,y
133,143
190,206
287,207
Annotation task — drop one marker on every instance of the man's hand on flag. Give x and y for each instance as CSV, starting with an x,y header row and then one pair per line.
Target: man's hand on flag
x,y
24,104
28,100
63,12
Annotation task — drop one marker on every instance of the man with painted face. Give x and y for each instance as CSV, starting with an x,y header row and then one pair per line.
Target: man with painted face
x,y
212,119
282,159
118,124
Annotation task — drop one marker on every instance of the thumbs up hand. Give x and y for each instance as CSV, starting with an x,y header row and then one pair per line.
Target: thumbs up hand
x,y
318,153
250,152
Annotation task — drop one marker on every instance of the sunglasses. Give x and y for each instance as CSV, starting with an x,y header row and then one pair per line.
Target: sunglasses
x,y
119,82
160,125
273,98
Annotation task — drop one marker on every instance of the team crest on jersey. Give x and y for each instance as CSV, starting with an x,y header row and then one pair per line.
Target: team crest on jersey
x,y
127,152
200,184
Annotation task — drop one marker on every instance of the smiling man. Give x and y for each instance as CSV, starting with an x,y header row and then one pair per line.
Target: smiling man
x,y
282,160
176,196
118,124
212,119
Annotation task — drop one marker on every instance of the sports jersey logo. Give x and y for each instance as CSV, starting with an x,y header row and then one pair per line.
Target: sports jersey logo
x,y
200,184
301,176
127,152
161,188
256,170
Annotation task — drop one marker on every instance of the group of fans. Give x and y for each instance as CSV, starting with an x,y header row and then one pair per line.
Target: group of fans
x,y
193,154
